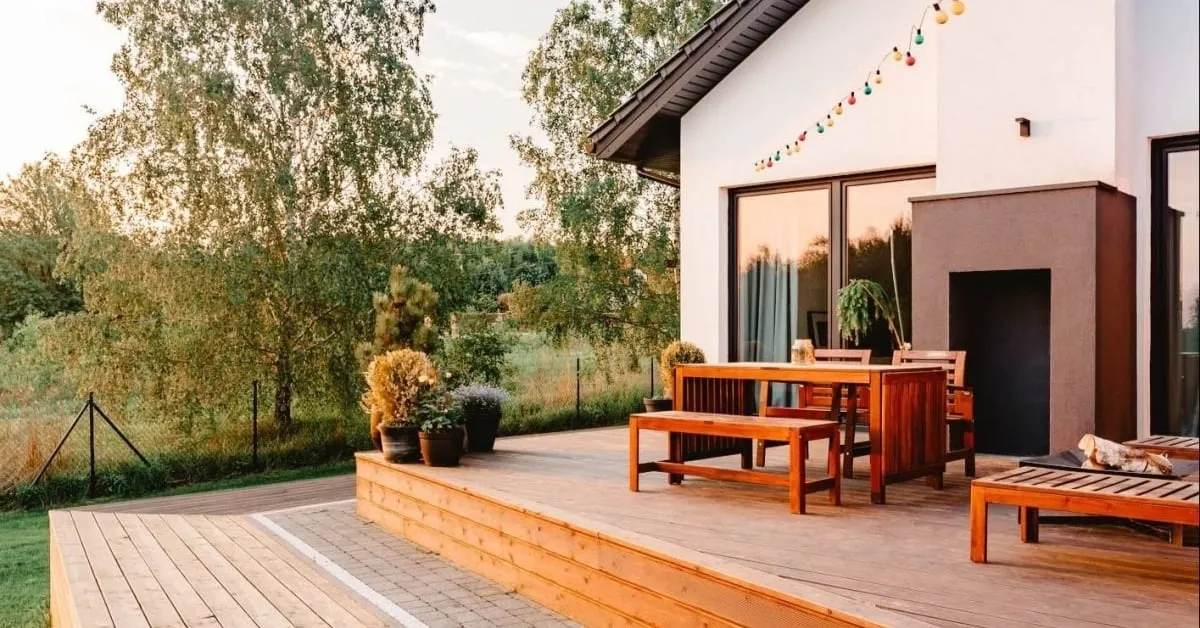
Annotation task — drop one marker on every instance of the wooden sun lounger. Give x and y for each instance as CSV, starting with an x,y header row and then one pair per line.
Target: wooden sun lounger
x,y
1032,489
1178,447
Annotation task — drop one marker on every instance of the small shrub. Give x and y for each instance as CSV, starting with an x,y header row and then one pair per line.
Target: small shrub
x,y
393,381
480,398
676,353
479,355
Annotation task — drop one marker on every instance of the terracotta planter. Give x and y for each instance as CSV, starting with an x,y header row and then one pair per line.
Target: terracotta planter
x,y
442,449
481,430
400,444
658,405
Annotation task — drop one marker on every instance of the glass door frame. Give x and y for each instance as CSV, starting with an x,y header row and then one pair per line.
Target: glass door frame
x,y
838,254
1160,152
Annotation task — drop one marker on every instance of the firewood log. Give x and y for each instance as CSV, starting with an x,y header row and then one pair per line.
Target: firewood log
x,y
1105,454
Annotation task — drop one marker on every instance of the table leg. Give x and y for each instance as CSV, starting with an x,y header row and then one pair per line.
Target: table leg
x,y
835,472
674,454
633,454
851,428
796,472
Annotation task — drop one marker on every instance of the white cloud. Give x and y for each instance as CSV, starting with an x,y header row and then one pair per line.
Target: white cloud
x,y
490,87
497,42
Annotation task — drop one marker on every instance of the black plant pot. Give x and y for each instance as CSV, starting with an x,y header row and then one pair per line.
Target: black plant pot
x,y
482,426
442,449
658,405
400,444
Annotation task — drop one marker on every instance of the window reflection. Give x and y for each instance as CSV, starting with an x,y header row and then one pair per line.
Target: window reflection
x,y
783,271
879,248
1182,230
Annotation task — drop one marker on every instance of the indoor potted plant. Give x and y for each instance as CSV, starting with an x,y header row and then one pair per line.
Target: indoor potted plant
x,y
393,382
676,353
440,419
860,304
481,406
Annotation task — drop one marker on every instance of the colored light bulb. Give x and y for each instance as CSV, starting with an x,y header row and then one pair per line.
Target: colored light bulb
x,y
919,39
939,15
867,89
895,53
828,121
776,155
957,7
909,59
769,162
878,77
851,100
803,135
820,129
838,109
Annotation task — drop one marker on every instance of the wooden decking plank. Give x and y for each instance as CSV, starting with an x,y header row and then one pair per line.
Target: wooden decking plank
x,y
89,607
292,606
186,602
118,595
224,607
341,609
256,605
151,597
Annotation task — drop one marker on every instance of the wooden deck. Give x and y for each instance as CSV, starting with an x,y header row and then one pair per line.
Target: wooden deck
x,y
111,569
240,500
909,558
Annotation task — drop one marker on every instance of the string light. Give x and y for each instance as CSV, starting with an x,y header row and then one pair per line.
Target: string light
x,y
916,37
939,15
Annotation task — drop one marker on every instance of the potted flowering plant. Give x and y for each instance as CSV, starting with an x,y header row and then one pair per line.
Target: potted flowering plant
x,y
481,405
394,380
440,419
676,353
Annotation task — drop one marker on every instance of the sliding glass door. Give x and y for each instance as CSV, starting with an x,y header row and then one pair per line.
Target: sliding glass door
x,y
1175,314
794,246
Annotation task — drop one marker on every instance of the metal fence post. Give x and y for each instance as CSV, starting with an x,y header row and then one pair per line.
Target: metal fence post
x,y
91,444
651,378
254,428
578,391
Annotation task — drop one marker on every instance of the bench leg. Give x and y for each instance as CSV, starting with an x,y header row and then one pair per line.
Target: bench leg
x,y
796,472
760,458
1029,524
979,514
1177,534
848,446
633,455
969,459
747,453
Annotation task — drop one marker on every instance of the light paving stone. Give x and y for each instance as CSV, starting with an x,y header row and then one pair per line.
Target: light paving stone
x,y
426,586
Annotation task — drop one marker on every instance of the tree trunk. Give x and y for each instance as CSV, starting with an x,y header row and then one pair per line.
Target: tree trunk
x,y
283,394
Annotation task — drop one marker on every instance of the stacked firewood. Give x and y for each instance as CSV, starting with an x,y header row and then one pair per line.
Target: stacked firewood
x,y
1107,455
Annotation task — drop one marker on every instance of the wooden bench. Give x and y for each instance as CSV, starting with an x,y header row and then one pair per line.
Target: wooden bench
x,y
1032,489
796,432
1177,447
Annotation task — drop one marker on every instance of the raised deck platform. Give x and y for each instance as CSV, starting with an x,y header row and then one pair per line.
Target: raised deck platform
x,y
551,516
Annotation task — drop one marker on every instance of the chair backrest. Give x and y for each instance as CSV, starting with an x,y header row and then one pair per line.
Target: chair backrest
x,y
954,362
862,356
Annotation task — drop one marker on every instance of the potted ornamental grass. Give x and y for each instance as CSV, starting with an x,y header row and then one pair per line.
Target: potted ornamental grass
x,y
676,353
394,381
440,418
481,406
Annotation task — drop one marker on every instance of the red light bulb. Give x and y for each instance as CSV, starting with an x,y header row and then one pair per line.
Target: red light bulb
x,y
909,59
851,100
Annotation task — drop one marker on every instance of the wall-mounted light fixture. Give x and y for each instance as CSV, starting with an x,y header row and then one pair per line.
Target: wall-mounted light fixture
x,y
1023,126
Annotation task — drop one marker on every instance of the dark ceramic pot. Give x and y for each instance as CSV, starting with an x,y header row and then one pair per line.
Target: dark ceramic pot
x,y
481,430
442,449
658,405
400,444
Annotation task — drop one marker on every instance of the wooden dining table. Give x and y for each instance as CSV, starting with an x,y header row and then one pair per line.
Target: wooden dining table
x,y
906,410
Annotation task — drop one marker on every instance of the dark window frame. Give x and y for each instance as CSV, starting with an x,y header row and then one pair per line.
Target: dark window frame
x,y
1160,152
838,262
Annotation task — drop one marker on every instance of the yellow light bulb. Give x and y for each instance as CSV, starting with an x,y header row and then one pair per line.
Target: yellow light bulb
x,y
957,7
828,121
896,56
939,15
878,78
838,109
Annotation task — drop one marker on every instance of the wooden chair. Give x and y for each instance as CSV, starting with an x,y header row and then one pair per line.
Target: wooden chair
x,y
960,401
815,401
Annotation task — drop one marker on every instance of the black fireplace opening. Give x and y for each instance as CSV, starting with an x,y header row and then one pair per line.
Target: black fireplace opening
x,y
1002,320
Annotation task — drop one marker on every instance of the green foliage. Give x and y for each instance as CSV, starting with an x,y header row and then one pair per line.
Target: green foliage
x,y
479,355
436,410
403,318
480,398
395,381
616,234
860,303
676,353
25,569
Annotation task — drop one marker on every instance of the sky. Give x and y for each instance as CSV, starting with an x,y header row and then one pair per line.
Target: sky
x,y
55,55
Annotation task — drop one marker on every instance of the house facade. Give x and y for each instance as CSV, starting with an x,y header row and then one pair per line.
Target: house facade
x,y
1027,186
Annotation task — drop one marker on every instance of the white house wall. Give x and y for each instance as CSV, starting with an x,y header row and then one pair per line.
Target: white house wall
x,y
1097,78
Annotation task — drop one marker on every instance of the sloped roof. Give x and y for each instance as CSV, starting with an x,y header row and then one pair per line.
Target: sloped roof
x,y
644,130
